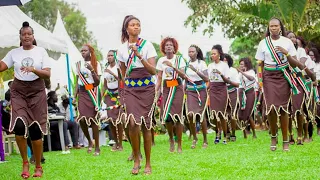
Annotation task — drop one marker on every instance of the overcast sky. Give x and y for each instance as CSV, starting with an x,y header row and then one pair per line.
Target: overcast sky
x,y
158,17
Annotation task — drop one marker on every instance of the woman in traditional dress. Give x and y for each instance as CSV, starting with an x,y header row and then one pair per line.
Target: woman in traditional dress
x,y
219,78
28,97
247,95
170,76
88,92
274,55
137,64
233,96
315,56
111,99
196,92
300,102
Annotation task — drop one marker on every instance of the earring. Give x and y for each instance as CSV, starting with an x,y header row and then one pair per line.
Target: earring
x,y
280,33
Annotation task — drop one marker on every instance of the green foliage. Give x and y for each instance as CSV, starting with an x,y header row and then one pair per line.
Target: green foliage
x,y
250,17
7,75
244,47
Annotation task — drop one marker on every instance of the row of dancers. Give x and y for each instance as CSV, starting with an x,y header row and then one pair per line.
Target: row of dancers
x,y
216,93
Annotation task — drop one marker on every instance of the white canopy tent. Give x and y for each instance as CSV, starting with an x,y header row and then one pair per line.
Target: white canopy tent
x,y
11,19
59,71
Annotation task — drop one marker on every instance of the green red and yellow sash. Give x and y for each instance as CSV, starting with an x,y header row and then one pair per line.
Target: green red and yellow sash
x,y
281,66
132,58
172,91
94,92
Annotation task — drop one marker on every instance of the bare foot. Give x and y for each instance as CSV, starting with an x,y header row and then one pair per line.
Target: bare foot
x,y
179,150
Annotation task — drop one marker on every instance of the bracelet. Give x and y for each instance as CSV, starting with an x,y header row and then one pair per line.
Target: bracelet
x,y
287,55
34,69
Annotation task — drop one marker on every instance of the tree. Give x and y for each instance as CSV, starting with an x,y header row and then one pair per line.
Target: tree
x,y
44,12
243,47
250,17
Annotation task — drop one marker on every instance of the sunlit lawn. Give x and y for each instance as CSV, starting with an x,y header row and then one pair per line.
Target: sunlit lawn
x,y
244,159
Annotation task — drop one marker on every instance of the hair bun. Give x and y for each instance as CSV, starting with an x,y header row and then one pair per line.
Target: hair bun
x,y
25,24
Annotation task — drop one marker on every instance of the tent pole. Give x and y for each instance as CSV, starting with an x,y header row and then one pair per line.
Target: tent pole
x,y
1,140
69,87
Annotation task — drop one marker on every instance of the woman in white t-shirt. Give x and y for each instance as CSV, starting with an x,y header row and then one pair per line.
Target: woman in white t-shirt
x,y
87,90
300,102
29,112
170,76
274,54
111,98
315,56
247,96
219,77
233,106
137,64
196,102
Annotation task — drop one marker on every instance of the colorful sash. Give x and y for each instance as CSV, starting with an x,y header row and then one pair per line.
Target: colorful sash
x,y
246,89
303,83
94,93
231,89
288,76
132,58
172,91
195,86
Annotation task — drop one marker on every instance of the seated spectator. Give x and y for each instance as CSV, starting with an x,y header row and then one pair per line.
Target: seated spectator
x,y
52,99
73,126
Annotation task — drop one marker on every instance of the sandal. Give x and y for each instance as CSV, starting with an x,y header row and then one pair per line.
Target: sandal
x,y
89,150
233,138
135,170
204,145
171,149
291,141
194,143
286,146
217,140
272,146
147,171
25,174
130,158
38,171
299,141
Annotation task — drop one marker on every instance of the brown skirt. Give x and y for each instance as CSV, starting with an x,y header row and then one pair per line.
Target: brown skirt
x,y
233,105
86,108
247,113
29,103
176,110
218,100
111,100
299,104
139,100
277,91
192,105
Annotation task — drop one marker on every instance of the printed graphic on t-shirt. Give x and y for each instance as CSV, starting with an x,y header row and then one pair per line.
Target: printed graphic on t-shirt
x,y
169,72
27,62
214,75
111,79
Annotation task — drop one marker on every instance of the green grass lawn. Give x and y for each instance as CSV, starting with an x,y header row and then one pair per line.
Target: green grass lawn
x,y
244,159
